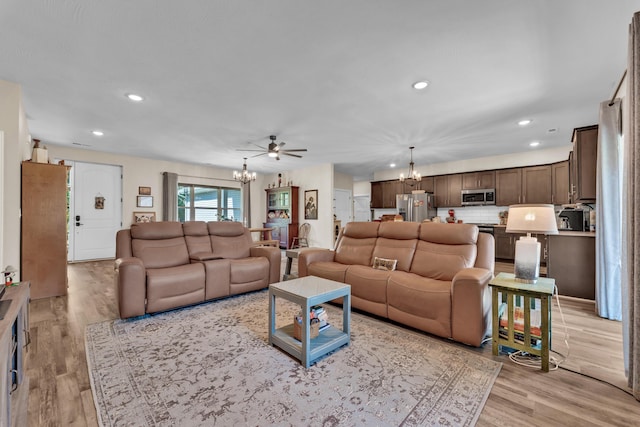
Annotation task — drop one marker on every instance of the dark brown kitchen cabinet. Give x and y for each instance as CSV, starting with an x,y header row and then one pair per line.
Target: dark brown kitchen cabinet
x,y
508,186
478,180
572,263
425,184
383,194
448,190
560,183
583,177
536,184
389,191
505,244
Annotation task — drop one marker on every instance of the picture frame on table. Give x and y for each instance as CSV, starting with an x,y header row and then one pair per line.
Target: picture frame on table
x,y
144,202
139,217
144,191
311,204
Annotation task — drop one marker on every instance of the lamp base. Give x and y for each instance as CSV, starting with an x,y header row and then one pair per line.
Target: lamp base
x,y
527,260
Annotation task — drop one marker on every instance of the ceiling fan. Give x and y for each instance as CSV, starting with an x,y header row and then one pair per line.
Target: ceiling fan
x,y
275,150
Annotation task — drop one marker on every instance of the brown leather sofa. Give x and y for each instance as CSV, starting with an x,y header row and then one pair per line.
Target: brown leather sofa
x,y
440,284
165,265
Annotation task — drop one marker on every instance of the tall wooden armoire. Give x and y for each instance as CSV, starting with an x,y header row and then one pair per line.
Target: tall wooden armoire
x,y
44,229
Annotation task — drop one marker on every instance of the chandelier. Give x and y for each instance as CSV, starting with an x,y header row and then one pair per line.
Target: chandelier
x,y
413,175
245,176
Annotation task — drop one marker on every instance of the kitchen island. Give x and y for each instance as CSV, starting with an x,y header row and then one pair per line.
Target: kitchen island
x,y
572,263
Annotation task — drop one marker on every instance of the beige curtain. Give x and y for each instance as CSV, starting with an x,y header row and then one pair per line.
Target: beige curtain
x,y
169,196
631,264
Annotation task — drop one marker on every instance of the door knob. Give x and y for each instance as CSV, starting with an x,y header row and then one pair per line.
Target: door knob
x,y
78,224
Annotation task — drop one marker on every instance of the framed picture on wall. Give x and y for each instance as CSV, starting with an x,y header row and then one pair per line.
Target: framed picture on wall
x,y
144,191
145,202
311,204
144,217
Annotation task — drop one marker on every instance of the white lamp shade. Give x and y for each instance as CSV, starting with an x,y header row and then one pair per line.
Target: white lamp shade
x,y
537,219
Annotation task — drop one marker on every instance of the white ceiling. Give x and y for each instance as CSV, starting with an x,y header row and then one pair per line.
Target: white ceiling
x,y
333,76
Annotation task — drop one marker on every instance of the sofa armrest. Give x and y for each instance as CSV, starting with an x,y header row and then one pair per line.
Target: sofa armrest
x,y
471,305
273,255
131,287
308,256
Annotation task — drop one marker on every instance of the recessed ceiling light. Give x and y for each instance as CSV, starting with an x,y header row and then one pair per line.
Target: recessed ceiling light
x,y
421,85
97,132
392,165
534,144
524,122
134,97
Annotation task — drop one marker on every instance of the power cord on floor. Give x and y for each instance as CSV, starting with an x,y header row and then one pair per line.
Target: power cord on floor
x,y
533,361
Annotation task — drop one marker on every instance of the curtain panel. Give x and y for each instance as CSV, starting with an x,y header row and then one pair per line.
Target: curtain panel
x,y
169,196
631,223
608,212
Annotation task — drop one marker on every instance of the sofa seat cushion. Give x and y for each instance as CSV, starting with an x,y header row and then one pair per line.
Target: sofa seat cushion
x,y
368,288
328,270
249,274
174,287
420,302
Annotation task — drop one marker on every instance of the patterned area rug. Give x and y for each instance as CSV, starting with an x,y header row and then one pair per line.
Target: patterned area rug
x,y
211,365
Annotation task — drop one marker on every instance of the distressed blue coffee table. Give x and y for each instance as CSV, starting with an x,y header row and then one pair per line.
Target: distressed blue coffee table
x,y
307,292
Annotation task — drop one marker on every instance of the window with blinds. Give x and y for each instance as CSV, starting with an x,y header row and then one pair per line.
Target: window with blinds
x,y
202,203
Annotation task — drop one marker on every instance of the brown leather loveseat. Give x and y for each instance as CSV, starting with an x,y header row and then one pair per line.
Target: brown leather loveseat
x,y
165,265
440,281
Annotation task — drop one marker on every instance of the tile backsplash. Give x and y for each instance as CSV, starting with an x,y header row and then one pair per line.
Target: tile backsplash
x,y
475,214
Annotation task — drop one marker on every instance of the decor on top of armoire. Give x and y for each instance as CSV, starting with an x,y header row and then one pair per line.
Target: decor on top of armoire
x,y
44,229
282,214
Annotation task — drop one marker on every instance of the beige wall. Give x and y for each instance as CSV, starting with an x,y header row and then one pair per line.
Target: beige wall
x,y
342,181
313,178
15,149
141,172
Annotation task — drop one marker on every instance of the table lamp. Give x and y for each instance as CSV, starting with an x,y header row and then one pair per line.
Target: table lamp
x,y
537,219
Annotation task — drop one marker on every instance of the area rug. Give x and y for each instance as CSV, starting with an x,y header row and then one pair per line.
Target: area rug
x,y
211,365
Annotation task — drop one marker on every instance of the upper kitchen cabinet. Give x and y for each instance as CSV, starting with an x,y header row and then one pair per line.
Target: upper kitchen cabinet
x,y
560,194
479,180
383,194
583,176
508,186
426,184
448,190
536,184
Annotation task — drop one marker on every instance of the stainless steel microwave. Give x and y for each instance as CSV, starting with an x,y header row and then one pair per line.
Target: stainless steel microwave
x,y
482,197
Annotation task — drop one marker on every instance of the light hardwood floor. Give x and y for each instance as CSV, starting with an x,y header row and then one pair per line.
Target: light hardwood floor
x,y
60,391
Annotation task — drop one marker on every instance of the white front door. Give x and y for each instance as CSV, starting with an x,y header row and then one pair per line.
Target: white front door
x,y
342,206
95,213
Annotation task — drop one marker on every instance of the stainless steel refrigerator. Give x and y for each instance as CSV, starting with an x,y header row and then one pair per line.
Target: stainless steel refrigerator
x,y
416,207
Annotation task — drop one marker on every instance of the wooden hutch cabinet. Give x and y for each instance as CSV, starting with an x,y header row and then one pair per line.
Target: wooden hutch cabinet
x,y
583,164
282,214
44,229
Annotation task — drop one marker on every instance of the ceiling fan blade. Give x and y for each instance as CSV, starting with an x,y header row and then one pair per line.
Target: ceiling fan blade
x,y
246,149
258,155
292,155
281,145
294,150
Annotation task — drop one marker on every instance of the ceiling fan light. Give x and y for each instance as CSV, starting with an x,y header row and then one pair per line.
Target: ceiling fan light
x,y
273,154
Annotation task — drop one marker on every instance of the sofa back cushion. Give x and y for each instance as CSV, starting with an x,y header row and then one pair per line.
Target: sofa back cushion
x,y
397,240
355,247
159,244
444,249
196,234
229,239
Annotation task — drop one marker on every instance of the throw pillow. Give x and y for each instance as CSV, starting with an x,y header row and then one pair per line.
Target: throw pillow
x,y
384,264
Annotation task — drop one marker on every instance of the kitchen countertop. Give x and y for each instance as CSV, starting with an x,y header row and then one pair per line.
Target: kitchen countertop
x,y
560,232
